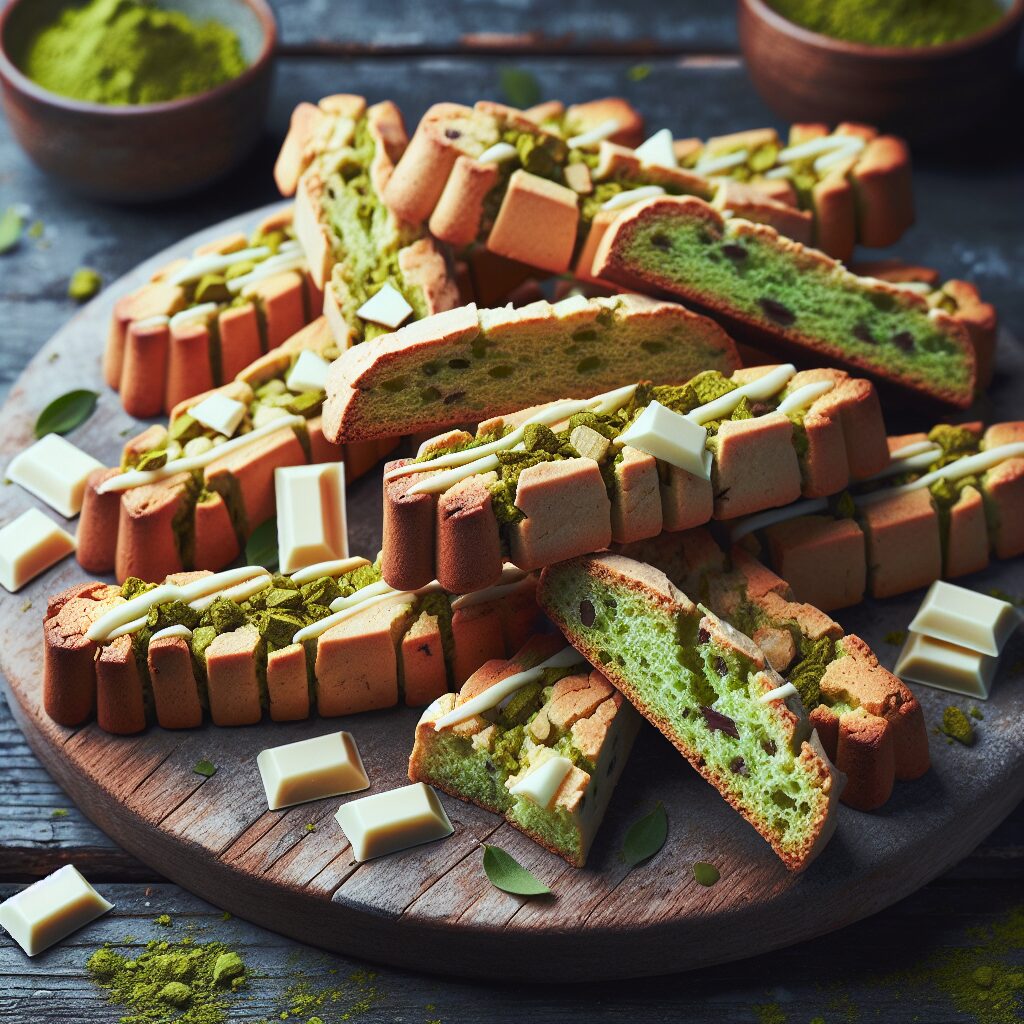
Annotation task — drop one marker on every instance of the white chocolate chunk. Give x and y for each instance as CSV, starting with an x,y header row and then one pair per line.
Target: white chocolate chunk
x,y
635,195
54,470
219,413
542,782
387,822
311,770
946,666
334,567
309,373
605,130
966,618
311,521
568,657
670,437
657,150
725,162
29,545
499,153
782,692
51,909
387,307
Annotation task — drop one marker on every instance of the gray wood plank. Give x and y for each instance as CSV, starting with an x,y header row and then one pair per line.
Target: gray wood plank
x,y
602,25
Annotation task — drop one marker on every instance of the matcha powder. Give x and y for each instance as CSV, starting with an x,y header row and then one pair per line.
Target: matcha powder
x,y
129,52
185,982
892,22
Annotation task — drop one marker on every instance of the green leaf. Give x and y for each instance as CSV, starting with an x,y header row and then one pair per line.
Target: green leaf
x,y
205,768
65,413
261,547
638,72
705,874
645,837
520,87
11,226
507,874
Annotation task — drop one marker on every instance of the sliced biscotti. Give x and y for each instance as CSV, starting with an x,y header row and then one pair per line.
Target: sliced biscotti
x,y
782,293
946,501
568,478
188,496
541,738
200,320
875,731
337,160
471,364
331,639
709,689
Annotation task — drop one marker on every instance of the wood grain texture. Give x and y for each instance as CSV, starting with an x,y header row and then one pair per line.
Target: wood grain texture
x,y
432,907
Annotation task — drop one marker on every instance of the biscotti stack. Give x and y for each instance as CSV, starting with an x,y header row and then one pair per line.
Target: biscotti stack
x,y
187,496
200,321
946,501
566,479
331,639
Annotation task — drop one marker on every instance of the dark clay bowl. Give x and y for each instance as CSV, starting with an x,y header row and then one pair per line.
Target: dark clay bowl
x,y
134,154
927,94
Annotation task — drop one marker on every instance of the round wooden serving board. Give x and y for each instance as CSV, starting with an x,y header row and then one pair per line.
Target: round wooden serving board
x,y
432,908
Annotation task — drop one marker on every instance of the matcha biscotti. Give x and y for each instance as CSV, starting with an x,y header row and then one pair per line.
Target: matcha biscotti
x,y
375,269
470,364
331,639
201,320
870,724
187,496
780,292
946,501
541,739
569,478
709,689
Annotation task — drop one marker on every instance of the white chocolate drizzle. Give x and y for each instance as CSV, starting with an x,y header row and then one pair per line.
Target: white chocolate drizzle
x,y
192,315
511,580
713,164
214,262
499,153
635,195
334,568
605,130
783,692
805,396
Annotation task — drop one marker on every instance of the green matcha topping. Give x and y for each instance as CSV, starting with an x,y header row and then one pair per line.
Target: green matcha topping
x,y
911,23
130,52
957,726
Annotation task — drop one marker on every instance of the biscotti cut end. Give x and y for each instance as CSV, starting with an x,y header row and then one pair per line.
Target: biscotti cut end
x,y
700,681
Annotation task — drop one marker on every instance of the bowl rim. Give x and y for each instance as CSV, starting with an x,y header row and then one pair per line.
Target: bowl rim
x,y
16,78
762,10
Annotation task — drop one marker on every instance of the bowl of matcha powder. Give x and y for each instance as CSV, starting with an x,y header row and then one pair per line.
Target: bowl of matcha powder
x,y
930,70
136,100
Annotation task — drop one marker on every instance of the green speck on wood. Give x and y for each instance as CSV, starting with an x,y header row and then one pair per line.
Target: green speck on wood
x,y
645,837
638,72
506,873
11,225
58,812
84,284
896,637
705,874
520,87
205,768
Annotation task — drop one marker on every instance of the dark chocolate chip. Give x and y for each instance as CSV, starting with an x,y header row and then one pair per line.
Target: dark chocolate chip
x,y
739,767
458,364
455,396
861,333
720,667
904,341
734,252
717,722
777,311
452,133
769,747
489,765
703,636
587,613
661,241
425,649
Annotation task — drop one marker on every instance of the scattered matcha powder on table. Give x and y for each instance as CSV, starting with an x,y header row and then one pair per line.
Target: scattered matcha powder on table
x,y
957,726
351,998
185,982
896,637
892,22
129,52
84,284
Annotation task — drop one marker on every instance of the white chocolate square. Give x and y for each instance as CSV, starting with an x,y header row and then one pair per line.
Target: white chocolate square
x,y
219,413
51,909
309,373
966,618
387,822
29,545
311,770
946,666
670,437
387,308
54,470
658,150
312,525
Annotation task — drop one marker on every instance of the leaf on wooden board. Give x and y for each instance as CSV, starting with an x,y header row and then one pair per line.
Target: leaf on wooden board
x,y
65,413
11,226
205,768
507,874
705,874
645,837
261,547
520,87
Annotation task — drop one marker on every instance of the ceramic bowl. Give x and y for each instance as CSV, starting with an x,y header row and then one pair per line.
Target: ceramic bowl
x,y
927,94
147,152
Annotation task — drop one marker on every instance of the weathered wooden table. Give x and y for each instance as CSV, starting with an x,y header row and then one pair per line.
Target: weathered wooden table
x,y
678,62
